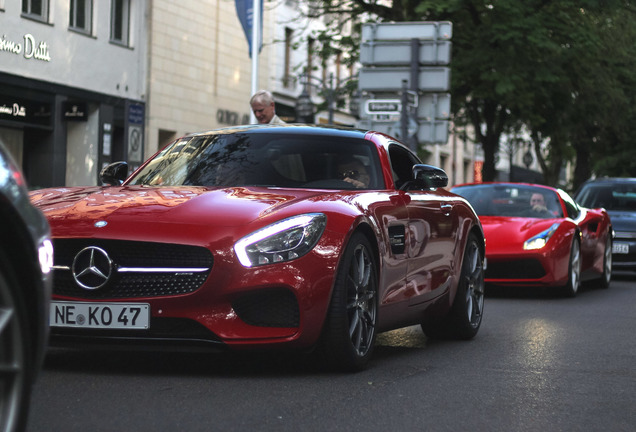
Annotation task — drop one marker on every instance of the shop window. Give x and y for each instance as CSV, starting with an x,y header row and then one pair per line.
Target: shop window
x,y
81,15
119,21
36,9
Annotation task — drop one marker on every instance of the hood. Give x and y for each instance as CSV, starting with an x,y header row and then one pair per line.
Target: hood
x,y
75,211
509,233
623,220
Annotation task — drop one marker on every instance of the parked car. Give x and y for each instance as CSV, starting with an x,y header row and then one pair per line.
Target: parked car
x,y
26,257
538,236
266,236
618,197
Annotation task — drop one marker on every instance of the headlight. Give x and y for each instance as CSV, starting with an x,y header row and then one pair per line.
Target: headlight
x,y
282,241
541,239
45,256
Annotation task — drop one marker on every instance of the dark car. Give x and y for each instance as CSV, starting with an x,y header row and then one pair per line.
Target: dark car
x,y
266,236
618,197
26,256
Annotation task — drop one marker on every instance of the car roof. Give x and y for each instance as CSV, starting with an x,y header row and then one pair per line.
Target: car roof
x,y
508,184
330,130
611,180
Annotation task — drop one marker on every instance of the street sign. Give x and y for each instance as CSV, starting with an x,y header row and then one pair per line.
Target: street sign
x,y
434,106
433,132
383,106
398,53
412,99
407,61
385,118
429,105
407,30
430,79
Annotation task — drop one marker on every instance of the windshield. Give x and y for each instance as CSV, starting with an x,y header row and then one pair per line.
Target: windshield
x,y
610,196
279,160
512,200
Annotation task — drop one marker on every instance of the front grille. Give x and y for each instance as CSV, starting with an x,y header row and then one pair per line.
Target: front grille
x,y
516,269
140,255
272,308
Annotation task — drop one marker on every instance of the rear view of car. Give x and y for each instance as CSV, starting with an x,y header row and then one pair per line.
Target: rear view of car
x,y
618,197
26,256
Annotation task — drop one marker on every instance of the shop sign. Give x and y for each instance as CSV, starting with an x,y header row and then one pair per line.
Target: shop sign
x,y
75,111
231,118
25,111
29,48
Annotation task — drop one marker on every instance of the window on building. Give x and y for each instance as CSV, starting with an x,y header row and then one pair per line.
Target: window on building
x,y
119,21
81,15
310,54
36,9
289,33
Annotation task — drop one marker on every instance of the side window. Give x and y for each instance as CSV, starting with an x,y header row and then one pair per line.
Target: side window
x,y
120,21
80,17
571,207
36,9
402,162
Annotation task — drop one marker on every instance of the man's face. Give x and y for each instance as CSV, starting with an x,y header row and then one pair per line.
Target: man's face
x,y
537,199
354,173
263,113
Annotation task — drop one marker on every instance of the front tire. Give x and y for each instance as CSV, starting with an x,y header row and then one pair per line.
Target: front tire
x,y
574,270
464,318
350,328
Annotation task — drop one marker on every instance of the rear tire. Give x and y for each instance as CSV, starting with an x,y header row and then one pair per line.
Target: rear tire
x,y
606,277
464,318
349,333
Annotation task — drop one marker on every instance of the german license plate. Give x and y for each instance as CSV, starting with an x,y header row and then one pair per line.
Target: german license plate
x,y
620,248
100,315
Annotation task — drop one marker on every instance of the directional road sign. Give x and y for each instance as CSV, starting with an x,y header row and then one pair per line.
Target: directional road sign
x,y
398,53
408,30
430,79
383,106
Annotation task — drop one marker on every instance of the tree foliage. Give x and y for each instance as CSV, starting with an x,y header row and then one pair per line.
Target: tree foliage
x,y
566,70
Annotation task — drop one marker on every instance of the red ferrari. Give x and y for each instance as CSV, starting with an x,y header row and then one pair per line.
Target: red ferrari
x,y
266,236
538,236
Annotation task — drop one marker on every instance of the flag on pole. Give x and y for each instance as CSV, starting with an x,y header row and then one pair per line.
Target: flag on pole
x,y
245,12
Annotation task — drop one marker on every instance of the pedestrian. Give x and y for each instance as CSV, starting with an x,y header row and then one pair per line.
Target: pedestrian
x,y
264,109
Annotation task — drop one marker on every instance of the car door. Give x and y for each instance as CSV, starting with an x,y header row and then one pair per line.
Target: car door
x,y
430,233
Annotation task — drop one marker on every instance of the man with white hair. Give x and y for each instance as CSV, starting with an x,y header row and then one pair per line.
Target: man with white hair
x,y
264,109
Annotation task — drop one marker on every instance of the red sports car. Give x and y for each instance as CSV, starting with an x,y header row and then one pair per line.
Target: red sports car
x,y
263,236
538,236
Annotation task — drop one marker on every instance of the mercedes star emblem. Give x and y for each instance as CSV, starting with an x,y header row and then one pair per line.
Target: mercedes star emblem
x,y
92,268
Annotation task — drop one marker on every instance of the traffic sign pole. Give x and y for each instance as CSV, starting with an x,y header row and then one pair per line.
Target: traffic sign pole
x,y
405,113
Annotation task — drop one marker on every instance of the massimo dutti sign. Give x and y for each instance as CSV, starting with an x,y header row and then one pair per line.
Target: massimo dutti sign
x,y
28,47
25,111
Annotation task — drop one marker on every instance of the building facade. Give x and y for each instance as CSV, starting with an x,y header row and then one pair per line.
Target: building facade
x,y
72,86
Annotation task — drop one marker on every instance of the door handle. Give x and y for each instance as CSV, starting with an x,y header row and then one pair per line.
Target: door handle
x,y
446,208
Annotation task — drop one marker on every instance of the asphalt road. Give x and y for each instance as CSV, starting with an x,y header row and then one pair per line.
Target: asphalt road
x,y
539,363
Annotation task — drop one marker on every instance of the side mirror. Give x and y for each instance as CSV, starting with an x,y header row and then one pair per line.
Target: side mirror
x,y
114,174
429,176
